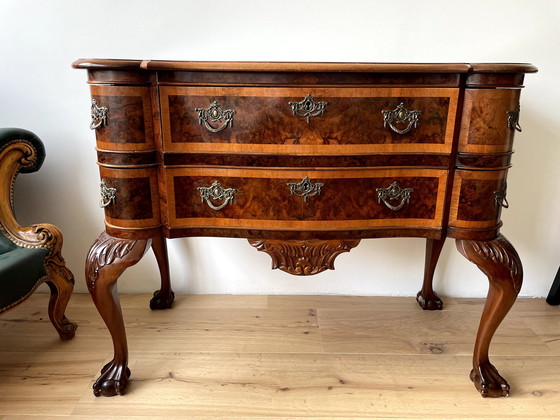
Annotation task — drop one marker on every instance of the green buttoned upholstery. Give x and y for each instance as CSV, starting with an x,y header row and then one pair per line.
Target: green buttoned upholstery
x,y
21,271
31,255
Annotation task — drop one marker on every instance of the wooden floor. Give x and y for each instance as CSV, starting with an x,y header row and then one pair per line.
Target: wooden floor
x,y
281,357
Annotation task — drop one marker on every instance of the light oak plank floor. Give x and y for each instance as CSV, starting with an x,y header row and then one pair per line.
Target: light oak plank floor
x,y
280,357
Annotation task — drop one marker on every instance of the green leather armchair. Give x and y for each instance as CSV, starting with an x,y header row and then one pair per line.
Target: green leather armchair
x,y
29,255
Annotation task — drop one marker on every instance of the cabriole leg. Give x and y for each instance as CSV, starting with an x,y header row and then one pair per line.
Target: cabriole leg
x,y
500,262
427,298
107,259
61,283
163,298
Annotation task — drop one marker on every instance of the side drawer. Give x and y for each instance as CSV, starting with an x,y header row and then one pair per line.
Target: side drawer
x,y
128,124
489,120
477,200
130,199
305,199
307,120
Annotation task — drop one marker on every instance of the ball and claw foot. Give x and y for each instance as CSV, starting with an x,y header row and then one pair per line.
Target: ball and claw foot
x,y
429,303
489,382
162,301
113,380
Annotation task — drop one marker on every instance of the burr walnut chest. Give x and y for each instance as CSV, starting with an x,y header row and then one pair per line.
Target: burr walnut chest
x,y
304,160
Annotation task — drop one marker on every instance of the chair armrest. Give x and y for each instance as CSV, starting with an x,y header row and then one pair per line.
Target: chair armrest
x,y
35,157
21,151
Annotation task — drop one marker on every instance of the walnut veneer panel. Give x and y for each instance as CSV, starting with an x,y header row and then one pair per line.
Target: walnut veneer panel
x,y
129,125
348,199
264,123
485,127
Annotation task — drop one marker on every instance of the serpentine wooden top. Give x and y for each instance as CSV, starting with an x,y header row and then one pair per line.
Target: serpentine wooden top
x,y
243,66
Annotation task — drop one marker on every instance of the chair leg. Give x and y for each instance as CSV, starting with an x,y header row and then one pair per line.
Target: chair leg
x,y
61,283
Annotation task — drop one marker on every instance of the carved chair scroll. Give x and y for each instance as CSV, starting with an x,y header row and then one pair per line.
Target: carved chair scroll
x,y
29,255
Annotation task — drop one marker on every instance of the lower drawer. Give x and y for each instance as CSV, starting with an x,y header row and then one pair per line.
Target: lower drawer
x,y
282,199
477,201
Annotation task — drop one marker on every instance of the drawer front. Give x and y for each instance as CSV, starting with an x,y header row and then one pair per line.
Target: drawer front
x,y
282,200
128,125
331,120
477,199
130,198
489,120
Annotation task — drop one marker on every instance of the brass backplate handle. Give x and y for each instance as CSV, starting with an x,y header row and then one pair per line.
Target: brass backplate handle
x,y
500,198
98,115
216,192
215,118
308,108
306,188
400,115
108,195
513,118
394,193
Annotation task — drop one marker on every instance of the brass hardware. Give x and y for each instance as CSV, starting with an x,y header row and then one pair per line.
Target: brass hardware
x,y
400,115
500,198
305,188
216,114
216,192
308,108
108,195
98,115
513,118
394,192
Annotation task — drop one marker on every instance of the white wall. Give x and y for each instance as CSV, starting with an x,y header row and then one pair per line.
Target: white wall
x,y
39,91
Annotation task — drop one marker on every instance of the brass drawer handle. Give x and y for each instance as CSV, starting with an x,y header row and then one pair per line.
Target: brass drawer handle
x,y
98,115
216,192
513,118
500,198
308,108
305,188
216,114
400,115
393,193
108,195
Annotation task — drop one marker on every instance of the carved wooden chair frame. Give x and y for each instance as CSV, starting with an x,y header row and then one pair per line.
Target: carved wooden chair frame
x,y
22,151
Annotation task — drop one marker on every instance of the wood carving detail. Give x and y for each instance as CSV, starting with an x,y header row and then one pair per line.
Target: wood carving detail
x,y
500,253
104,252
304,258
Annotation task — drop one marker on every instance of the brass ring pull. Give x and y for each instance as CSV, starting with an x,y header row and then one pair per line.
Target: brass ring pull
x,y
216,192
392,193
98,115
308,108
216,114
400,115
513,118
306,188
108,195
500,198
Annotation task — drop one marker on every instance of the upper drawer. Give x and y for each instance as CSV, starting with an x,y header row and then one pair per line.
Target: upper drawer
x,y
128,121
308,120
490,119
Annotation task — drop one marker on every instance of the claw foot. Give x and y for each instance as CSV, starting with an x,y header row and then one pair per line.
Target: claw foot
x,y
162,301
489,382
112,381
430,302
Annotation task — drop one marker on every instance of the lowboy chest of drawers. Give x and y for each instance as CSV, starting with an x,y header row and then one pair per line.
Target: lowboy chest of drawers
x,y
304,160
